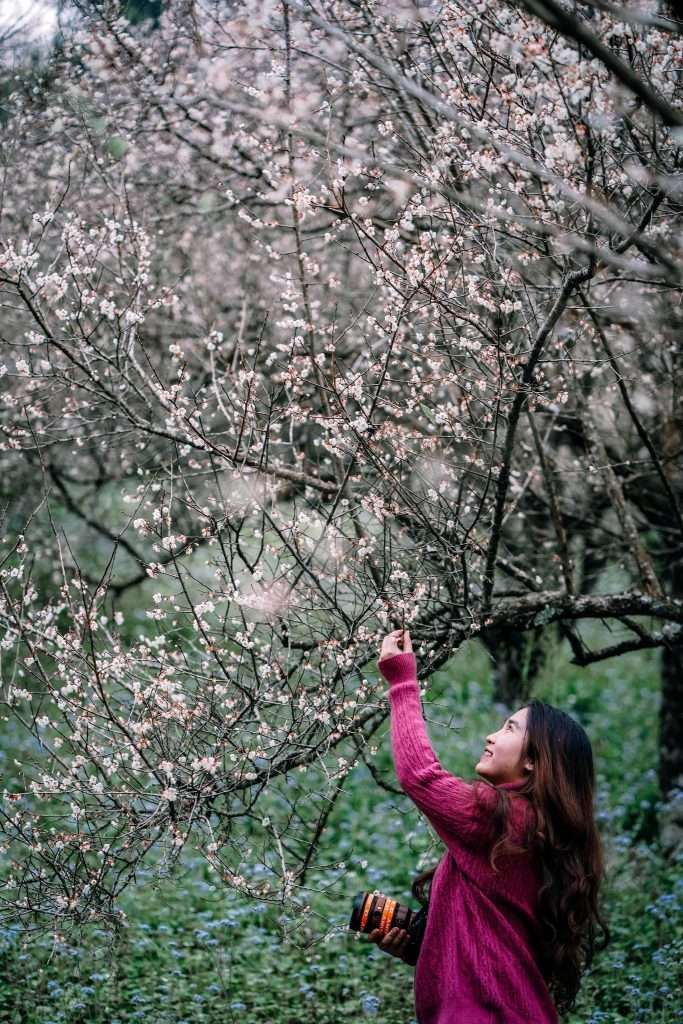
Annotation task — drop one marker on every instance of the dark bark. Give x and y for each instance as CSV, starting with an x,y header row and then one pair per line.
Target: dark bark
x,y
671,709
671,741
671,719
516,659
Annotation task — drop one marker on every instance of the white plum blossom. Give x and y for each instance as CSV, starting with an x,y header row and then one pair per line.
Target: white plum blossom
x,y
206,764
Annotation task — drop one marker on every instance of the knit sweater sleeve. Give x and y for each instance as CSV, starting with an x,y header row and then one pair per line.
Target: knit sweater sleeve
x,y
459,815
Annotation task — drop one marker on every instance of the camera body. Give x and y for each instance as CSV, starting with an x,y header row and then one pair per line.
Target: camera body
x,y
375,910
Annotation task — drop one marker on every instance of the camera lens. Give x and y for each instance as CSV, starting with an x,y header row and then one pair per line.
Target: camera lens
x,y
375,910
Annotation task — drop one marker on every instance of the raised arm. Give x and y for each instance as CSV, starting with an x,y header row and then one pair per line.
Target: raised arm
x,y
449,803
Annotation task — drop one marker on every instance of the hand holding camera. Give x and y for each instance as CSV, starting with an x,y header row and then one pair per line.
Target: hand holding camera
x,y
394,927
394,942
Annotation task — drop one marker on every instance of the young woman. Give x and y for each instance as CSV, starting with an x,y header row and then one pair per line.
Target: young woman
x,y
513,903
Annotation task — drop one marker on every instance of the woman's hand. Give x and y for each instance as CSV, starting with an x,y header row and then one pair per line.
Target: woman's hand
x,y
398,642
394,942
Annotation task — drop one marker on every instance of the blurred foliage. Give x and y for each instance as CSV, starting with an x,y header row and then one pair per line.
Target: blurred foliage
x,y
27,67
139,10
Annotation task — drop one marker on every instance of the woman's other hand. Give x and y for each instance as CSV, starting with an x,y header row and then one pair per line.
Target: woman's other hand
x,y
394,942
397,642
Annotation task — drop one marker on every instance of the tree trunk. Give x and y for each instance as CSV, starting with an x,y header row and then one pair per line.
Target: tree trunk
x,y
517,659
671,711
671,741
671,720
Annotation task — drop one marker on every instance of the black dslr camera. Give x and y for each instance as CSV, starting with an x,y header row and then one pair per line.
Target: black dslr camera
x,y
375,910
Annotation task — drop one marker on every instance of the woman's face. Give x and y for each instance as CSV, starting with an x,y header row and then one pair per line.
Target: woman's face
x,y
505,763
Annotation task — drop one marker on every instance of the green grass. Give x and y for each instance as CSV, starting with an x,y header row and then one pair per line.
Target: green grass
x,y
194,952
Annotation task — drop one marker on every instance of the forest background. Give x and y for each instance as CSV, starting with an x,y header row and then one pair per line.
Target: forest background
x,y
319,319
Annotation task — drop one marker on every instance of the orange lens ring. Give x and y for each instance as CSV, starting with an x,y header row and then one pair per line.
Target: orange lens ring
x,y
387,914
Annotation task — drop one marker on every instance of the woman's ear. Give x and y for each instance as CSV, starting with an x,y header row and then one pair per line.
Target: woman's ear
x,y
529,766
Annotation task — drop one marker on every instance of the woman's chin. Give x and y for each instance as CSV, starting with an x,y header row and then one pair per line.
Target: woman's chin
x,y
483,768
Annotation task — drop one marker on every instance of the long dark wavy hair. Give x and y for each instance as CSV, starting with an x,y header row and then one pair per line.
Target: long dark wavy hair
x,y
564,837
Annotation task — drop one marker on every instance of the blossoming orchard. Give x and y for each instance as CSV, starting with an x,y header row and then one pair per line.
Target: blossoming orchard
x,y
319,319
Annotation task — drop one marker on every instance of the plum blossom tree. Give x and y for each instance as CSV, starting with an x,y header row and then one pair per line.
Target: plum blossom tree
x,y
319,319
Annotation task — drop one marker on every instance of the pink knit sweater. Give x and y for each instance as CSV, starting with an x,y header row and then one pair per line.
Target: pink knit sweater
x,y
476,963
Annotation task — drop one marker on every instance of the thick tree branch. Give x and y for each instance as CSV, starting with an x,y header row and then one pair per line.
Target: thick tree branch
x,y
575,28
571,282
